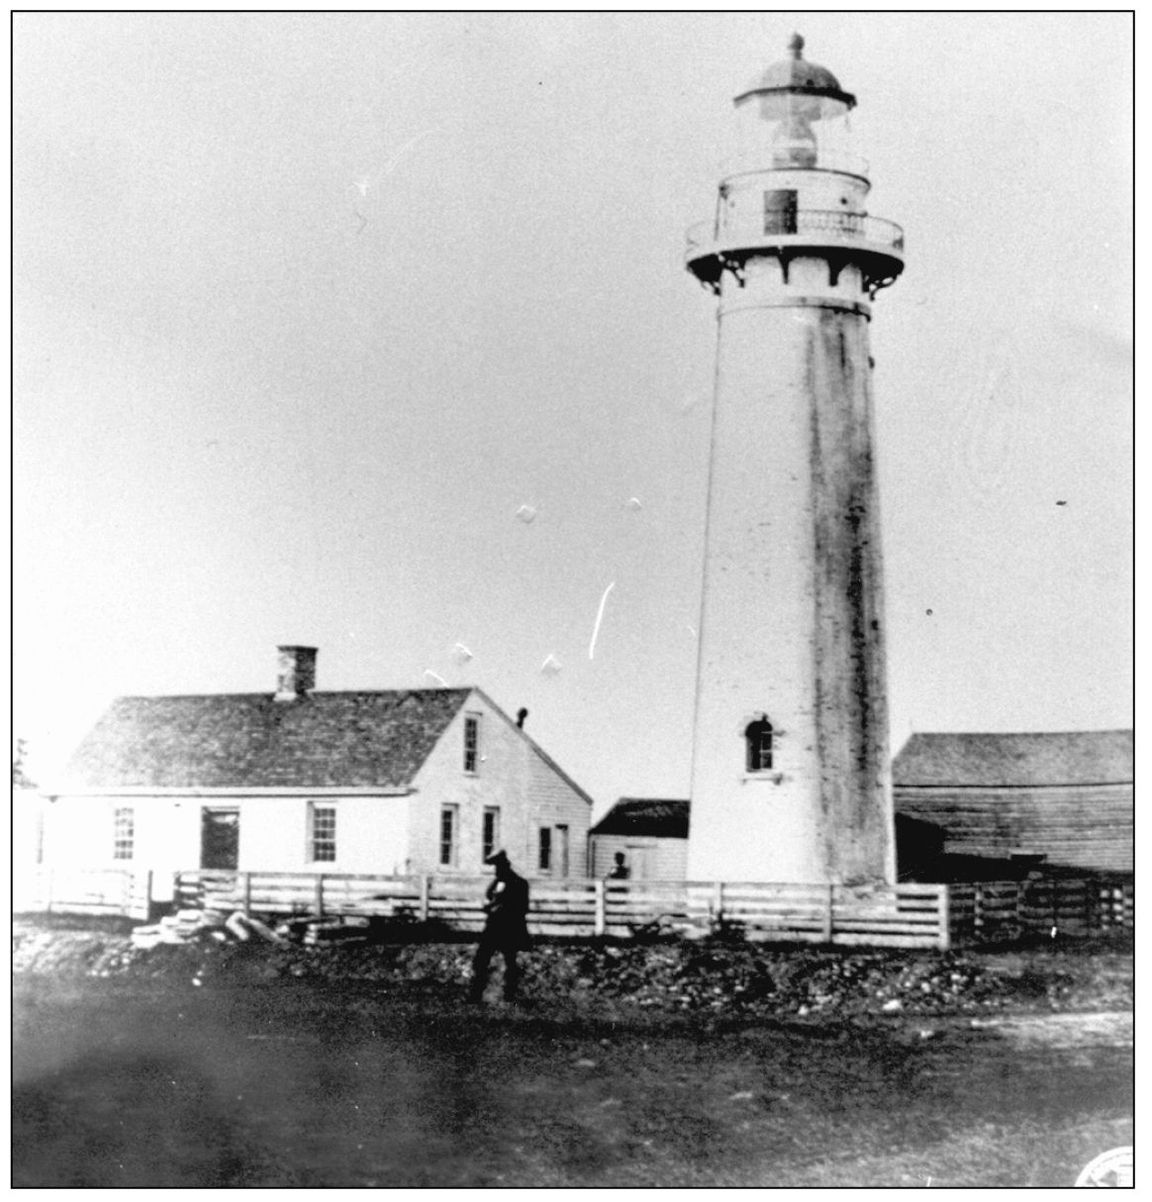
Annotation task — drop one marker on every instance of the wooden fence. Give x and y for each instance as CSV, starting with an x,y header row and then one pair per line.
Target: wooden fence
x,y
983,911
110,891
912,915
905,915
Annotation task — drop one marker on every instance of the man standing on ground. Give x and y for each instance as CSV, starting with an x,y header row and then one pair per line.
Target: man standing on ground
x,y
505,928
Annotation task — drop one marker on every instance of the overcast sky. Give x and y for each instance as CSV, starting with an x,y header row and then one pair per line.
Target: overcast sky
x,y
308,307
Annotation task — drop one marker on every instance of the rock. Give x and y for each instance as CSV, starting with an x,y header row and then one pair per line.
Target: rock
x,y
892,1005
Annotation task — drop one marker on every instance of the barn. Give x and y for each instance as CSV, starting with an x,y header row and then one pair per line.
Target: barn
x,y
972,804
378,782
651,834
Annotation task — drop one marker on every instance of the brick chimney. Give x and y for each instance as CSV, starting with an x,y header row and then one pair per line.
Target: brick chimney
x,y
296,672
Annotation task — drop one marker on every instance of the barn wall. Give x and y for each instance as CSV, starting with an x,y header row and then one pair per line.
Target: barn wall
x,y
1084,826
649,857
511,776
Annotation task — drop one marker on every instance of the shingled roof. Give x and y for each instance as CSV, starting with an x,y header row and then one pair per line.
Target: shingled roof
x,y
342,740
645,816
1090,757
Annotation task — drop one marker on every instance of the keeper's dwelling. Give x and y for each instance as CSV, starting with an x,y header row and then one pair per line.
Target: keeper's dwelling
x,y
379,782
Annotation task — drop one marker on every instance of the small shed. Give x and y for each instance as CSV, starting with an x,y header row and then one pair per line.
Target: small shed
x,y
1050,800
652,835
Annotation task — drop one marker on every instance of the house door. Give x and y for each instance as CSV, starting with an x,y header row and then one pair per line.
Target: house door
x,y
219,838
562,850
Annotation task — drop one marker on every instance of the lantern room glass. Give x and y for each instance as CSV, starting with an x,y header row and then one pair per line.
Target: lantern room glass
x,y
788,130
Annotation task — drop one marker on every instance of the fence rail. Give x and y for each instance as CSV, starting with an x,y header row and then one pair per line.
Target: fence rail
x,y
82,891
905,915
823,224
898,916
992,910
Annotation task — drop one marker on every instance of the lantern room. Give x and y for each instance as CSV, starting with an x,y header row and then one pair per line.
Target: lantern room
x,y
796,190
795,115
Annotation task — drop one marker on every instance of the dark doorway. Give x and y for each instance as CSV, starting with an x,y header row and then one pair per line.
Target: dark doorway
x,y
780,211
219,838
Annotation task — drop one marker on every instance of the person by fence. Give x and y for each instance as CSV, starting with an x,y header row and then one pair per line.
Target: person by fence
x,y
619,871
505,928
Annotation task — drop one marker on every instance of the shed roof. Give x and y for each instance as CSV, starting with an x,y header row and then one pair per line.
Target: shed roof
x,y
645,816
1086,757
248,740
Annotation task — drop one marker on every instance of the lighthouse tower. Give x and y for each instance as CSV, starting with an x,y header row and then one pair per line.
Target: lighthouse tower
x,y
790,769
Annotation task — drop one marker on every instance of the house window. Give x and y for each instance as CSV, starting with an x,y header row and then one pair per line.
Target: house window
x,y
758,740
123,833
491,840
321,833
562,849
471,741
449,820
545,849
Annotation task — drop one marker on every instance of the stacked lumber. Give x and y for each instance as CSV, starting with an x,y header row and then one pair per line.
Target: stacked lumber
x,y
185,926
335,930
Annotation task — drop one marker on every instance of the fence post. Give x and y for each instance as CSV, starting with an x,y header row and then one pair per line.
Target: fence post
x,y
49,880
827,933
718,902
320,895
944,914
246,895
425,885
599,919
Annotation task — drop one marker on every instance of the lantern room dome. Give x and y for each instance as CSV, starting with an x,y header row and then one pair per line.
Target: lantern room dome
x,y
796,77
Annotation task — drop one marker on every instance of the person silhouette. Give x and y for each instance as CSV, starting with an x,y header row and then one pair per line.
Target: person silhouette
x,y
619,870
505,928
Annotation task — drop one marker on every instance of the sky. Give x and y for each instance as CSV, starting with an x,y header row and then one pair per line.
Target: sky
x,y
372,332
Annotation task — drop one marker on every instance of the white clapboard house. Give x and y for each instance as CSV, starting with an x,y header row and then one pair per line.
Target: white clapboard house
x,y
397,781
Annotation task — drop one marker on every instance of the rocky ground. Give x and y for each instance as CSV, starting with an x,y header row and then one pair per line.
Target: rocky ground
x,y
704,978
228,1064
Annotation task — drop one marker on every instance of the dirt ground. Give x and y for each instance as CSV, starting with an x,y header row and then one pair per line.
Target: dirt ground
x,y
249,1080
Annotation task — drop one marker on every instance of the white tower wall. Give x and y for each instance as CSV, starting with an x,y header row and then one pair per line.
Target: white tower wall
x,y
791,659
792,622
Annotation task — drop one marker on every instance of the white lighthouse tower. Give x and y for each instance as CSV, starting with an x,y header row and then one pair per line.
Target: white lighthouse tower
x,y
790,773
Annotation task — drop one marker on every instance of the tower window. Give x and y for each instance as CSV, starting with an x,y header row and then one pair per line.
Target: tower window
x,y
758,741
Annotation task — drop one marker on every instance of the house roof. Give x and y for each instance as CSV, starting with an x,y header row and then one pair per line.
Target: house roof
x,y
1048,758
645,816
353,739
